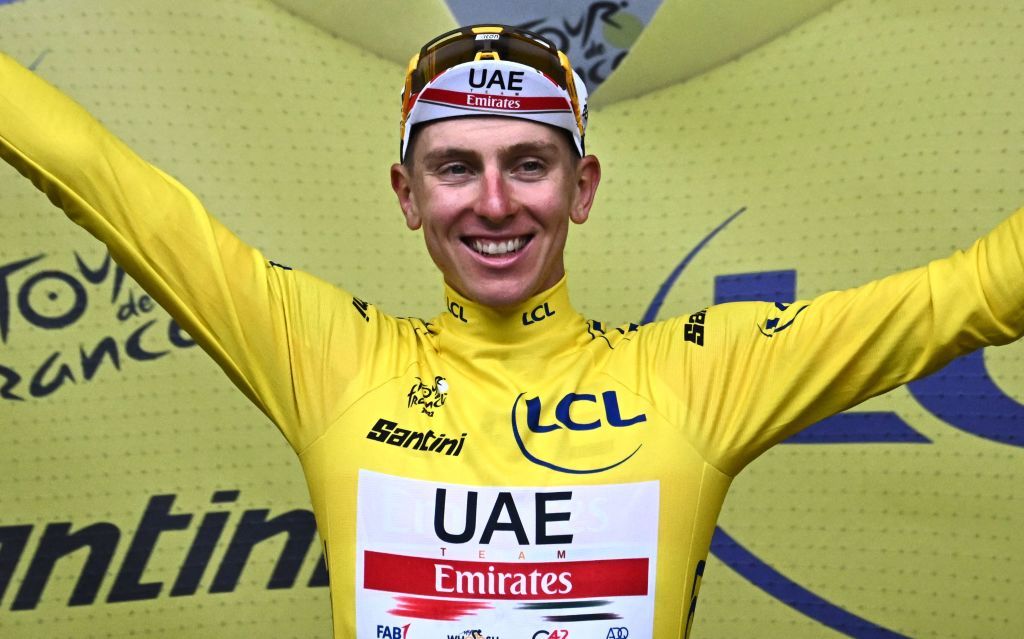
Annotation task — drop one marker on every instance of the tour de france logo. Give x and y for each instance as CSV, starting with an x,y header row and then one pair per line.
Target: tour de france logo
x,y
50,306
429,397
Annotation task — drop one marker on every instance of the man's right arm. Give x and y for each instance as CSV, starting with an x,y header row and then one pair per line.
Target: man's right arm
x,y
254,319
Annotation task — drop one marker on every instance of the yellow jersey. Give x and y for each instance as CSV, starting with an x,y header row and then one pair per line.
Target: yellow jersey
x,y
507,474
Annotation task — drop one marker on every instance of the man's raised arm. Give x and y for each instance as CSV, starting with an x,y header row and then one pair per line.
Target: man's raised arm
x,y
764,371
250,316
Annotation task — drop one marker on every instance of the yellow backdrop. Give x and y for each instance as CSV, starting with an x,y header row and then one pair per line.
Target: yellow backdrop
x,y
140,494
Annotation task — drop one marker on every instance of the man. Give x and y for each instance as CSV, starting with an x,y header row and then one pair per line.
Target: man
x,y
470,474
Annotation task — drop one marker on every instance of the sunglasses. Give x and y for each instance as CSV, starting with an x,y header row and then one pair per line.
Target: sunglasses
x,y
488,42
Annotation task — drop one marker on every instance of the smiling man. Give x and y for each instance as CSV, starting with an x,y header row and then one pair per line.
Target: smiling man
x,y
509,466
494,201
494,195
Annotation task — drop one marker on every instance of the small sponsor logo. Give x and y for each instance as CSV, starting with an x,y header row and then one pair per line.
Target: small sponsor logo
x,y
393,632
775,325
487,36
361,308
472,633
492,102
617,633
538,314
391,433
476,101
428,398
597,330
693,331
458,311
551,634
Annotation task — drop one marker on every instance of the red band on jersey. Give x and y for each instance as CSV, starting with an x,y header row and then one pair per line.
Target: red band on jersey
x,y
440,577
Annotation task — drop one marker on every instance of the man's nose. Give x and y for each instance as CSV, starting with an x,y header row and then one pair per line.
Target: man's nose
x,y
495,202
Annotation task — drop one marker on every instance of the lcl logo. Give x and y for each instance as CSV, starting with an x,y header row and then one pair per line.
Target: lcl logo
x,y
563,413
538,314
458,310
606,408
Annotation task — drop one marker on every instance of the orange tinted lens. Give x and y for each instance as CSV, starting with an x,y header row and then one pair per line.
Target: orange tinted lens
x,y
533,54
451,49
440,58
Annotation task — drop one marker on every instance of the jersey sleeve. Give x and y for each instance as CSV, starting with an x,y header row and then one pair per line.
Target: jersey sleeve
x,y
749,374
279,334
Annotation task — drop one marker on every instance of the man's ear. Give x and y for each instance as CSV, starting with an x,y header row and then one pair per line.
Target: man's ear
x,y
401,184
588,176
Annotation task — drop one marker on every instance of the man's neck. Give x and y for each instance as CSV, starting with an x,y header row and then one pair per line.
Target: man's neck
x,y
541,326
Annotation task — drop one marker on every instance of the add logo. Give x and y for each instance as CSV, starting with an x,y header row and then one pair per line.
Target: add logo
x,y
570,432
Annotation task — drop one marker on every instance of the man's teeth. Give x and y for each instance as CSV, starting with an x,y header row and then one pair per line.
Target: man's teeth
x,y
499,248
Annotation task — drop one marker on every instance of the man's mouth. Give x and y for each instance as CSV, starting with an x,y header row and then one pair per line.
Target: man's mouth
x,y
498,248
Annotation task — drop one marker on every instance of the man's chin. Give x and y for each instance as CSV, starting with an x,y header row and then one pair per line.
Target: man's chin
x,y
500,295
502,300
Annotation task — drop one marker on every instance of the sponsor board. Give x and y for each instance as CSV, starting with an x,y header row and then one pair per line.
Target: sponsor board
x,y
502,560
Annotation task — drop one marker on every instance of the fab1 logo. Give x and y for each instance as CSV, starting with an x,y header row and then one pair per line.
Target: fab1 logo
x,y
393,632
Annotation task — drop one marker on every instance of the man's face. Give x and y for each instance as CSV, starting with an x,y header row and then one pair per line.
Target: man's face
x,y
494,197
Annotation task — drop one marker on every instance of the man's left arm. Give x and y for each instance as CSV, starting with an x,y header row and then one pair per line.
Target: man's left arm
x,y
764,371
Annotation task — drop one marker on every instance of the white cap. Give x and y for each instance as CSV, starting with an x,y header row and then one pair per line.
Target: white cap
x,y
498,88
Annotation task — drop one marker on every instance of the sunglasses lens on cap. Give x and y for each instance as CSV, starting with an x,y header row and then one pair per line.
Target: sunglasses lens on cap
x,y
493,70
463,45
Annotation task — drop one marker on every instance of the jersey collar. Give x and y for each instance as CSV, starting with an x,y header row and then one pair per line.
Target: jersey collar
x,y
543,326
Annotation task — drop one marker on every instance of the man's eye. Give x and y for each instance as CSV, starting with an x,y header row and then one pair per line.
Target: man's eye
x,y
454,169
532,166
